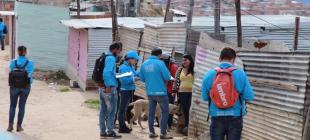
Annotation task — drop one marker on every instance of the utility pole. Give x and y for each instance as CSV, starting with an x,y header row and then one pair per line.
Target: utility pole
x,y
114,22
167,10
239,26
297,23
78,7
189,24
217,17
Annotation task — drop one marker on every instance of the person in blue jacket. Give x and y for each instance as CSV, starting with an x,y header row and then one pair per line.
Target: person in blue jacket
x,y
227,122
3,32
127,89
108,93
155,75
20,95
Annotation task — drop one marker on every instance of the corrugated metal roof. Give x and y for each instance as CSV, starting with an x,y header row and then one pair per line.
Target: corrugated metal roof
x,y
104,23
130,38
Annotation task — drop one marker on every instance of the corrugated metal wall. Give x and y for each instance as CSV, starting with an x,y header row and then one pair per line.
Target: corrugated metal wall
x,y
166,36
279,81
99,41
130,38
77,56
39,29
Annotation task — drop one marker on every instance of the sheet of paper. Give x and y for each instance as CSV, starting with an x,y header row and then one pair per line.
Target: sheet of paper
x,y
127,74
172,78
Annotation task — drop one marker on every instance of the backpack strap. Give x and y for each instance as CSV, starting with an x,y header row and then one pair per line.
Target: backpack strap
x,y
23,67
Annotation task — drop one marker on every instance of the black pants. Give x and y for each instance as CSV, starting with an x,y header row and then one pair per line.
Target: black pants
x,y
185,99
2,43
171,101
126,98
226,126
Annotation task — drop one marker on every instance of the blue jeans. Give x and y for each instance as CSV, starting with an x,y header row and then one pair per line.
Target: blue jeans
x,y
163,102
15,94
126,97
226,126
108,102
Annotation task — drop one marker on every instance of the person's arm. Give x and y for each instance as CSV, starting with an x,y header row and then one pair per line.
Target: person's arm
x,y
126,80
30,68
247,90
5,29
174,69
108,71
164,71
141,74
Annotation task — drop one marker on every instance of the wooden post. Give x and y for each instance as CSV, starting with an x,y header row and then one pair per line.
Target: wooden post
x,y
114,22
297,23
167,10
189,24
239,26
78,7
217,17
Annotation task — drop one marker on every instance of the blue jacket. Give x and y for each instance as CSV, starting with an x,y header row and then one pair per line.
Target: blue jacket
x,y
2,28
21,61
242,86
155,74
127,83
109,71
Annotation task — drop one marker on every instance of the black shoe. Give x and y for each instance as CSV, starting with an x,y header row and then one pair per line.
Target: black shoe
x,y
165,137
153,135
10,128
103,136
124,130
114,135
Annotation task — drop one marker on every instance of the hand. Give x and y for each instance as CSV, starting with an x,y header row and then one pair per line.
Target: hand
x,y
107,90
197,101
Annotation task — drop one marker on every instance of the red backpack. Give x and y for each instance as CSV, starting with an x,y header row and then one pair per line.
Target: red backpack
x,y
223,93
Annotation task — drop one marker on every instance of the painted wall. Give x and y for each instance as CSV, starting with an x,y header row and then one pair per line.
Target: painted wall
x,y
39,29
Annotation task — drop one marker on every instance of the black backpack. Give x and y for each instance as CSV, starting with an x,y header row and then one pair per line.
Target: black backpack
x,y
98,69
19,76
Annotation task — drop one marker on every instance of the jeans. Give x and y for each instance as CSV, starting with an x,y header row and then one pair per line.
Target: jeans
x,y
171,101
226,126
108,103
2,40
163,102
126,97
185,99
15,94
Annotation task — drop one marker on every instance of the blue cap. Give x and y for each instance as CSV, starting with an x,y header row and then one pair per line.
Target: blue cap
x,y
133,54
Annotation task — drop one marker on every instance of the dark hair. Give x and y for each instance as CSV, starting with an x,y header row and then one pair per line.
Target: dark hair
x,y
116,45
192,64
1,19
157,52
228,54
21,50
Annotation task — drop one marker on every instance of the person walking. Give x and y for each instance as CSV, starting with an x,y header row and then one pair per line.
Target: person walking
x,y
127,88
183,87
155,75
108,93
3,32
172,67
226,88
20,80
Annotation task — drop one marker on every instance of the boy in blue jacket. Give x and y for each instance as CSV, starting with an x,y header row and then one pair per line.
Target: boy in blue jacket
x,y
128,88
155,75
227,122
108,93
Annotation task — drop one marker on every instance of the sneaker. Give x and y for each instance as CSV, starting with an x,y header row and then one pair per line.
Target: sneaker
x,y
10,128
19,129
114,135
185,131
103,136
124,130
165,137
153,135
